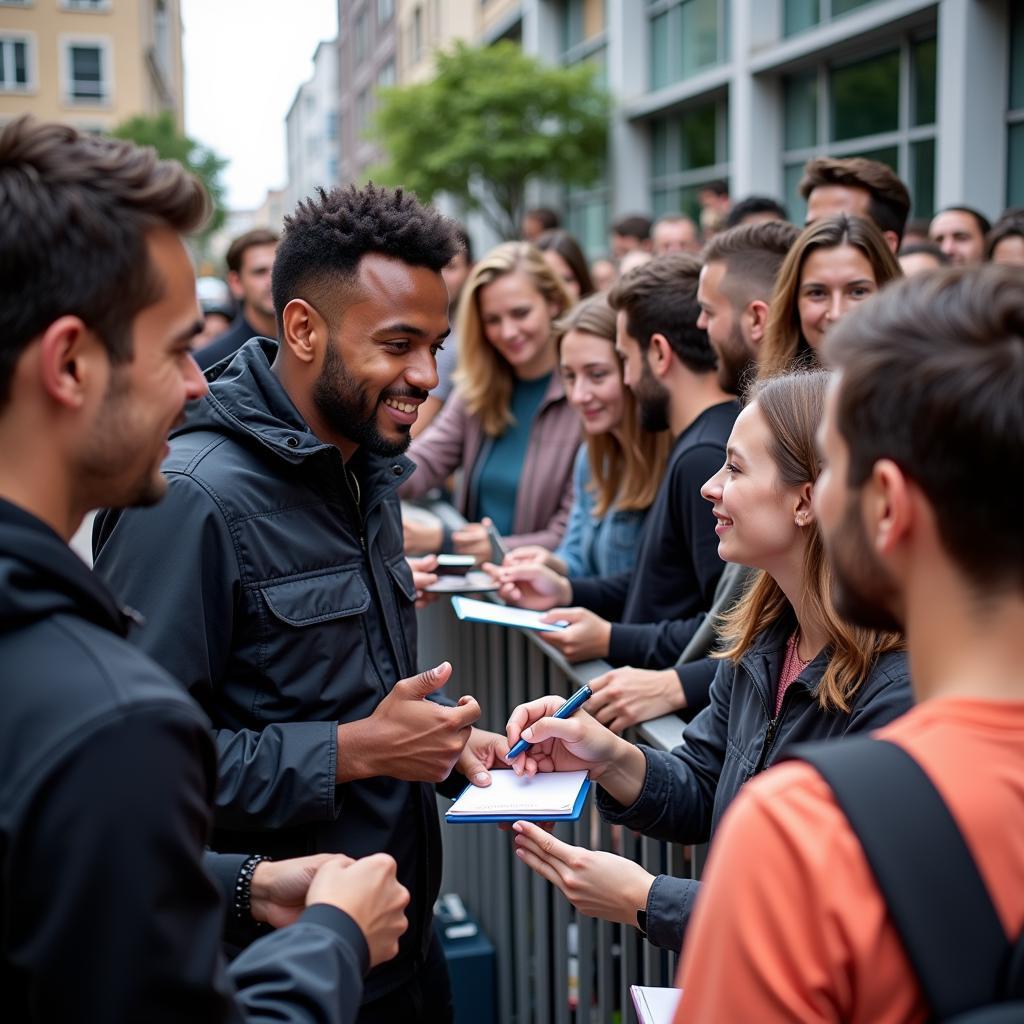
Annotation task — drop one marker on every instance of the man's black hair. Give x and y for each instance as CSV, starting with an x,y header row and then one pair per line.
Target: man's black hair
x,y
753,205
635,225
984,225
329,233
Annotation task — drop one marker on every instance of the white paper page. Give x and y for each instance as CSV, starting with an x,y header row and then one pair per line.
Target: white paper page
x,y
485,611
655,1005
508,793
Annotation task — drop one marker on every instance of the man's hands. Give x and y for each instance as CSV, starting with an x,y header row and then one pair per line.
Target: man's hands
x,y
407,736
473,539
420,537
482,752
424,574
587,635
369,892
627,695
531,554
279,887
597,884
531,586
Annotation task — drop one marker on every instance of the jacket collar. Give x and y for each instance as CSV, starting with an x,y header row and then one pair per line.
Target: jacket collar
x,y
763,661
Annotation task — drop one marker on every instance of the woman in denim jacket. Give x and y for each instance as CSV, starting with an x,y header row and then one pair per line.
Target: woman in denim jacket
x,y
792,670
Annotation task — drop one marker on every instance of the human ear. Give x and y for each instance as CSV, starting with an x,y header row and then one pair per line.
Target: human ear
x,y
888,506
305,331
803,513
659,355
235,285
757,316
72,362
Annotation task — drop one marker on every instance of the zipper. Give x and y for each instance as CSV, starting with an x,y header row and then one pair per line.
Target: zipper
x,y
772,731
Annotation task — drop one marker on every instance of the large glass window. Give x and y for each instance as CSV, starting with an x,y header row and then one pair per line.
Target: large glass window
x,y
688,150
881,107
685,37
798,15
1015,128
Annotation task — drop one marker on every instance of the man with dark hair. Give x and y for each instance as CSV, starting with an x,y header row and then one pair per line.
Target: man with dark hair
x,y
755,210
855,185
537,221
250,258
630,234
645,618
674,232
285,602
959,231
105,909
921,257
919,505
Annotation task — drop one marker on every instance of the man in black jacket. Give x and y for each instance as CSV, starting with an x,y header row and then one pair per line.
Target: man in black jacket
x,y
276,585
107,768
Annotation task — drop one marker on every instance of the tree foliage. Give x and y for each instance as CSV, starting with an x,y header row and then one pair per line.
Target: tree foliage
x,y
161,132
491,119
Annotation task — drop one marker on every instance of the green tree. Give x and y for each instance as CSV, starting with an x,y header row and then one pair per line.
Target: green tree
x,y
161,132
491,119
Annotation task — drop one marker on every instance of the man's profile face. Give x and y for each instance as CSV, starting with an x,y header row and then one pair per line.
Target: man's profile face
x,y
864,592
379,363
652,397
831,200
251,285
145,398
735,352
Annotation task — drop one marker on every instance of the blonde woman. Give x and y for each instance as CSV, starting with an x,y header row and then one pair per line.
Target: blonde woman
x,y
508,426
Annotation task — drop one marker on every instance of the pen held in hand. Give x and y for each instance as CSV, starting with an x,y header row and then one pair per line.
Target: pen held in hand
x,y
567,710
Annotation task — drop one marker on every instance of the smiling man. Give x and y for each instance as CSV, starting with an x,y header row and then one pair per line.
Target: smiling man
x,y
274,579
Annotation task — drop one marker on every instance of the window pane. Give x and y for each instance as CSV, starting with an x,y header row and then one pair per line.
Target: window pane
x,y
794,202
660,165
699,29
801,110
660,71
1015,170
843,6
800,14
925,57
922,178
664,200
865,97
20,64
889,155
1017,56
697,138
86,72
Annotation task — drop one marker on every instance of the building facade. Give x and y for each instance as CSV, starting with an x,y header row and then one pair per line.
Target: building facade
x,y
90,63
311,128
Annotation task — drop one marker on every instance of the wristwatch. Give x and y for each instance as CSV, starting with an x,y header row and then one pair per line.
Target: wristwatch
x,y
641,922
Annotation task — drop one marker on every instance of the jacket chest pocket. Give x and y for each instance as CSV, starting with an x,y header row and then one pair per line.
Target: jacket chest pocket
x,y
405,591
314,647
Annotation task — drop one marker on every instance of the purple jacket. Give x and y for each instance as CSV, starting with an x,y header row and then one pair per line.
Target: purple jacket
x,y
456,439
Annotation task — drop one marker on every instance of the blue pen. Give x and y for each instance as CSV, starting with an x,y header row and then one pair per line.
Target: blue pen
x,y
567,710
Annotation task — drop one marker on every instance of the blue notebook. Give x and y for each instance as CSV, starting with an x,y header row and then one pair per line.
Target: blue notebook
x,y
548,796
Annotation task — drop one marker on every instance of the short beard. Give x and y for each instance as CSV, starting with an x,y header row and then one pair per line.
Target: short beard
x,y
736,366
863,592
653,400
348,410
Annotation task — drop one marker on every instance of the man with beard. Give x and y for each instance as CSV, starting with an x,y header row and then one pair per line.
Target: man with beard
x,y
274,581
919,504
646,617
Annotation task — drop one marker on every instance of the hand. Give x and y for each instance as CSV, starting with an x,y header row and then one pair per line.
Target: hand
x,y
531,586
424,575
482,752
369,892
534,554
278,892
420,537
627,695
407,736
587,635
473,539
597,884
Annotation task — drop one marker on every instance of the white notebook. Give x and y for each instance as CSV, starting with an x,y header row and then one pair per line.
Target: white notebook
x,y
655,1005
553,793
503,615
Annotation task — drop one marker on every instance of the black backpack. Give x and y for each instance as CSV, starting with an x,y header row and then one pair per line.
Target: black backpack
x,y
969,972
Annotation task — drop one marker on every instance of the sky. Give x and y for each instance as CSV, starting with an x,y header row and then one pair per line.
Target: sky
x,y
244,59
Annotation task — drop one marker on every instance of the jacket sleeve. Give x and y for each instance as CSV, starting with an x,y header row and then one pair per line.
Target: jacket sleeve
x,y
669,909
570,547
651,644
552,532
696,677
676,802
116,918
885,697
603,595
282,775
438,451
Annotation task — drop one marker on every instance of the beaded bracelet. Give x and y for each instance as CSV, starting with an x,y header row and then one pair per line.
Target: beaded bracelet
x,y
243,887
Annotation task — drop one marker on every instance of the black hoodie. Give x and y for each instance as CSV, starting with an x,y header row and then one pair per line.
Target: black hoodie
x,y
107,774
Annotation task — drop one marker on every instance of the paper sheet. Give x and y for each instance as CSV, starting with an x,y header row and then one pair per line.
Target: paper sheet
x,y
655,1005
486,611
508,793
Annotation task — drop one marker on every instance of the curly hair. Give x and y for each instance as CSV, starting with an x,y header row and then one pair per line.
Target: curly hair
x,y
330,232
74,213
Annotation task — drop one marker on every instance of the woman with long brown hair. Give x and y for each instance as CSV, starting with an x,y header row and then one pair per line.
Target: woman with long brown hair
x,y
618,467
791,670
836,263
508,426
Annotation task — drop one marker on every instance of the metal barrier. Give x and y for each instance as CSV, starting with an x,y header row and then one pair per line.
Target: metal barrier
x,y
555,966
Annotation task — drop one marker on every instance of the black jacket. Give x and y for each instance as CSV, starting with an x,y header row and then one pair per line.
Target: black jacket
x,y
285,608
687,790
657,608
106,783
226,344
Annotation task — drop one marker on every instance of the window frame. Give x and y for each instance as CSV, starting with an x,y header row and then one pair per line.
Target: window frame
x,y
105,44
673,8
28,39
86,7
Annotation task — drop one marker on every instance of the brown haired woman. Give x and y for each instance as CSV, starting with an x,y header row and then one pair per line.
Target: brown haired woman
x,y
792,670
836,263
508,426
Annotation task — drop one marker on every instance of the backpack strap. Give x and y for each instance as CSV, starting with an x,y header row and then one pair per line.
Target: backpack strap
x,y
935,896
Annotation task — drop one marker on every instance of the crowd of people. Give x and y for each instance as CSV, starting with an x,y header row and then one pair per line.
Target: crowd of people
x,y
766,472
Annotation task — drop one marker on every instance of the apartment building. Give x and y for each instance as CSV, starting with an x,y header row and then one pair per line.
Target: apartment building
x,y
311,128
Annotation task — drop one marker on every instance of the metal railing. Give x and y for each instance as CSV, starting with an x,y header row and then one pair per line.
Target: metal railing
x,y
554,965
